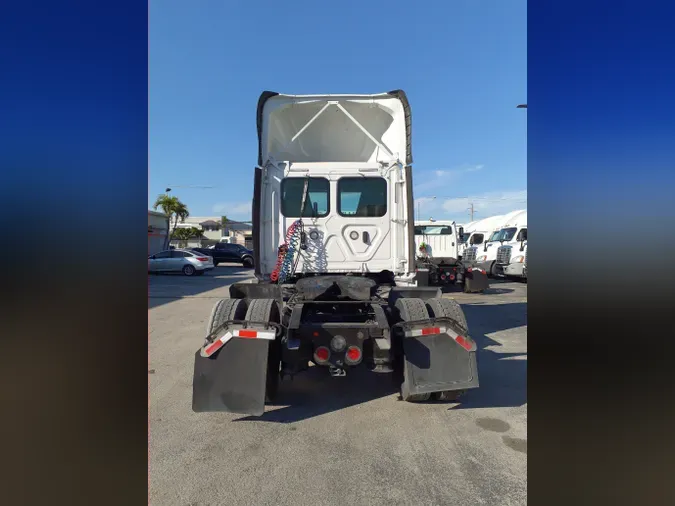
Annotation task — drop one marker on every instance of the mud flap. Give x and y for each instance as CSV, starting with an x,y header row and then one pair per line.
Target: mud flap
x,y
475,281
233,379
437,358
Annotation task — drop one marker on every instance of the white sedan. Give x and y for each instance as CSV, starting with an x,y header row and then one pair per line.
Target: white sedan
x,y
187,261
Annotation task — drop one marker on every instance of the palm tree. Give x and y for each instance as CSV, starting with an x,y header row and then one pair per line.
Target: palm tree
x,y
174,209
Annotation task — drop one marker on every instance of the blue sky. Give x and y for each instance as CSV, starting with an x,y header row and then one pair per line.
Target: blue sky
x,y
463,64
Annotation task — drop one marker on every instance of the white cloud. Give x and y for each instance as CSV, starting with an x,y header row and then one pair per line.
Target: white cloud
x,y
439,178
233,209
485,205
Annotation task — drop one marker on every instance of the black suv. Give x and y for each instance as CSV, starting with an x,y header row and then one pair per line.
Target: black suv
x,y
224,252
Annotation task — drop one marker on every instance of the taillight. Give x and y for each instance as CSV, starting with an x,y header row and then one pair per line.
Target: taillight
x,y
443,276
203,259
321,355
452,277
353,355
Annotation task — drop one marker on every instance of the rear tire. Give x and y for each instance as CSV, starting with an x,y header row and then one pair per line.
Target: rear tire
x,y
225,310
448,308
409,310
247,262
189,270
268,310
448,395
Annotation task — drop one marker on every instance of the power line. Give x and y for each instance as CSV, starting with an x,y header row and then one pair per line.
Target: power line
x,y
487,199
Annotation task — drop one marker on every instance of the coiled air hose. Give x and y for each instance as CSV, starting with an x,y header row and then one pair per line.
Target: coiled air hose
x,y
285,267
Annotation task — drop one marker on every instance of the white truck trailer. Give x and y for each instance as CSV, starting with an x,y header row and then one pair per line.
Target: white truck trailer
x,y
335,265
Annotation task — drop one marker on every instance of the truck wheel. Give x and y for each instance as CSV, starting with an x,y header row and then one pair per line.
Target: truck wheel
x,y
225,310
267,310
448,395
448,308
410,310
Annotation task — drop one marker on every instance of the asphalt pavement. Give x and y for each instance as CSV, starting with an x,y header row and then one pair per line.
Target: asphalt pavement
x,y
337,440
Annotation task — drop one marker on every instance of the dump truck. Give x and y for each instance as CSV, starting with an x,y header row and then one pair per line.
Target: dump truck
x,y
335,267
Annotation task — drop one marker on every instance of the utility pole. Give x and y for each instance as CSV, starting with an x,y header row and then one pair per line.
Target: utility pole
x,y
471,210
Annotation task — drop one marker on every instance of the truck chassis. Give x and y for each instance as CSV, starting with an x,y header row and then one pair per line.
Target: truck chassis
x,y
468,275
267,331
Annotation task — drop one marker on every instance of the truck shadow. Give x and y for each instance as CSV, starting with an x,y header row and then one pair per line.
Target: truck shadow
x,y
491,290
502,374
503,380
165,288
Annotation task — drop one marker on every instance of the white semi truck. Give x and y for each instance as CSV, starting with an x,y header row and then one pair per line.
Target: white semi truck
x,y
336,274
486,253
511,255
464,239
439,261
476,248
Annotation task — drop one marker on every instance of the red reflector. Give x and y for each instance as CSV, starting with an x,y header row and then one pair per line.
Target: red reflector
x,y
214,347
322,354
248,333
315,334
463,343
431,330
353,353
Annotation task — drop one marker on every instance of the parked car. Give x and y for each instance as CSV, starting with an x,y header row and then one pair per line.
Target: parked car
x,y
224,252
187,261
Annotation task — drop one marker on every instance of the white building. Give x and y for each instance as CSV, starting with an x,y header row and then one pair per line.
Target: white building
x,y
157,232
213,232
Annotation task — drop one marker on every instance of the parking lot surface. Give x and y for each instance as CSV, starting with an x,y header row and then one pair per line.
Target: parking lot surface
x,y
337,440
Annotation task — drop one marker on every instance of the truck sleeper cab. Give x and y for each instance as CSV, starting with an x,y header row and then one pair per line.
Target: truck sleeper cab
x,y
335,286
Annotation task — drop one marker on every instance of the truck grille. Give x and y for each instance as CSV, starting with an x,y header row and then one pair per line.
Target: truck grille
x,y
470,254
503,255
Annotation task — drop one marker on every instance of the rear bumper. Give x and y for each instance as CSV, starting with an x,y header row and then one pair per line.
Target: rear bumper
x,y
206,267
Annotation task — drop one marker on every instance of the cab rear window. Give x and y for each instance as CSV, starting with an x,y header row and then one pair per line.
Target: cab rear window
x,y
317,202
362,197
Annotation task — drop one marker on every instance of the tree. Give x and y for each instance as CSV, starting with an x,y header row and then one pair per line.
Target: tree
x,y
174,209
184,234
